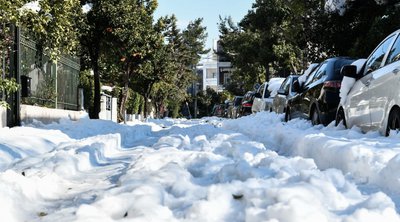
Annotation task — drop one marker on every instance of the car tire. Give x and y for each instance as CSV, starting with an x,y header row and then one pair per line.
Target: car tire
x,y
393,121
288,116
315,117
340,117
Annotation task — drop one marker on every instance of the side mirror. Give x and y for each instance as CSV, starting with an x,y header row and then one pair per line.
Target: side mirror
x,y
282,92
257,95
349,71
296,86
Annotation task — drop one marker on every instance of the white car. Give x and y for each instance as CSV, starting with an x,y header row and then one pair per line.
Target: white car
x,y
373,102
265,94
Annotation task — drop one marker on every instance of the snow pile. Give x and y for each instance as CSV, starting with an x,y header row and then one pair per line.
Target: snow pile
x,y
273,86
335,6
255,168
32,6
302,79
348,82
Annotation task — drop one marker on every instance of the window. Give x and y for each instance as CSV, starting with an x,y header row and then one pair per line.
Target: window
x,y
286,85
316,75
261,89
376,59
267,93
394,54
211,73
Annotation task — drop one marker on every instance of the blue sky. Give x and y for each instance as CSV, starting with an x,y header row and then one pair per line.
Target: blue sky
x,y
209,10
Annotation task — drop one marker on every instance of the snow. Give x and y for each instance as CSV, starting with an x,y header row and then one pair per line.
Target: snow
x,y
302,79
273,86
255,168
33,6
348,82
336,6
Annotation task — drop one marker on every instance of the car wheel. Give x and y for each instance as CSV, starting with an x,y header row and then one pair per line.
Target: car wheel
x,y
340,118
394,121
315,117
288,116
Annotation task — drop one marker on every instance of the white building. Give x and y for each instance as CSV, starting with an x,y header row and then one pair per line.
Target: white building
x,y
214,71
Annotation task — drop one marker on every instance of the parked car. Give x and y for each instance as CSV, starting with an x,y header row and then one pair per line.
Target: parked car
x,y
373,102
285,92
265,94
218,110
318,98
233,108
247,103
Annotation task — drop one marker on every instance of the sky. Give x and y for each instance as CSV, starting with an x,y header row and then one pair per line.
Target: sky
x,y
209,10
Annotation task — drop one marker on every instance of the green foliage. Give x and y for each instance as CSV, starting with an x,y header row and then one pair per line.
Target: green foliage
x,y
134,103
86,83
7,87
54,27
206,100
47,90
280,37
9,11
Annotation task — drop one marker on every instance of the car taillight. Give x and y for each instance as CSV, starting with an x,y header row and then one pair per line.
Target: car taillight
x,y
246,104
332,84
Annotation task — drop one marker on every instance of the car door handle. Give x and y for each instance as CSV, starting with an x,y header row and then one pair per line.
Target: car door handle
x,y
396,71
368,82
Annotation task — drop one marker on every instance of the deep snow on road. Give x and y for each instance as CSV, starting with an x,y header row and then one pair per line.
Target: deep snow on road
x,y
255,168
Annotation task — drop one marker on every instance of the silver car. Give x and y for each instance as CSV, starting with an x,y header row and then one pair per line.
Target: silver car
x,y
265,95
285,92
373,102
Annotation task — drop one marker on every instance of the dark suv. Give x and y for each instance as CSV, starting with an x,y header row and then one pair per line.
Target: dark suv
x,y
318,98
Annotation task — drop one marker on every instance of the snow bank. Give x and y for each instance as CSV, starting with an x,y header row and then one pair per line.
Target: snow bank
x,y
255,168
347,82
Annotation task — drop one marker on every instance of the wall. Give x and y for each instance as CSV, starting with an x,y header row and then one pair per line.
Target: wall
x,y
47,115
3,117
108,108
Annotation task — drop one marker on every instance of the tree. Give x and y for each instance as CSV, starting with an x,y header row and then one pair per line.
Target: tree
x,y
93,44
54,27
9,15
174,62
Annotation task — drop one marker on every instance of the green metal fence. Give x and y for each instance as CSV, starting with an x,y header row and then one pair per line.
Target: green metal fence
x,y
50,85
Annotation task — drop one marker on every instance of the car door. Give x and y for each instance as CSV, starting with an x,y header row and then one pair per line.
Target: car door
x,y
384,85
313,89
258,101
357,106
280,99
295,103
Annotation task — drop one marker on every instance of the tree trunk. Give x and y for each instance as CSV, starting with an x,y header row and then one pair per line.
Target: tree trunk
x,y
267,72
125,97
95,66
146,99
294,69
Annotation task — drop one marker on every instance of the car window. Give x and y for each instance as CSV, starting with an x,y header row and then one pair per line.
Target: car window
x,y
286,85
310,77
318,74
394,54
283,85
238,101
375,60
261,89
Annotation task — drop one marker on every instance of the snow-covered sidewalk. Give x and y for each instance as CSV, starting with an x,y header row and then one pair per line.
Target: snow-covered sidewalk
x,y
256,168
